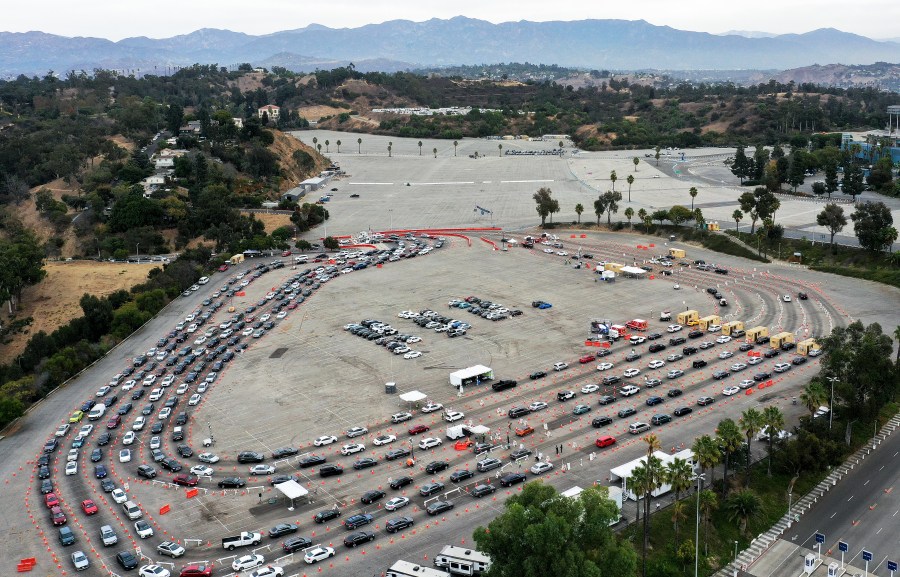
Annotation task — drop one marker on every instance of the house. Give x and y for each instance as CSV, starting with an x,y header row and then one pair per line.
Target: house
x,y
238,122
273,112
164,162
294,194
192,128
315,183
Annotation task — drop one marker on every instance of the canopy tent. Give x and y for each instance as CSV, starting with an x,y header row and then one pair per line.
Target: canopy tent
x,y
413,397
624,472
633,271
292,490
471,375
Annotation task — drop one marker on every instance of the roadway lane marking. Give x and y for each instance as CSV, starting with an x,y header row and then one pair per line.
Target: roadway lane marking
x,y
833,514
848,500
438,183
866,483
881,467
879,531
523,181
369,183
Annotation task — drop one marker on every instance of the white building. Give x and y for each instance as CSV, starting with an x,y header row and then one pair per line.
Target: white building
x,y
273,111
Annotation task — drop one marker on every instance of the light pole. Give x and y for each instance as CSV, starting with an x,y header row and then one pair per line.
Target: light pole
x,y
138,251
697,531
391,213
831,402
735,550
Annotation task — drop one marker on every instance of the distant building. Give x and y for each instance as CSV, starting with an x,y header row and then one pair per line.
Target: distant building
x,y
294,194
239,122
273,111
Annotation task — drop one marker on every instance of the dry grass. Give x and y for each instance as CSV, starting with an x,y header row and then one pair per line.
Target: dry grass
x,y
319,111
54,301
273,221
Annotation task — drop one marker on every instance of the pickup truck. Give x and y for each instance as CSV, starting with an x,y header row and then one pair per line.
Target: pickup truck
x,y
241,540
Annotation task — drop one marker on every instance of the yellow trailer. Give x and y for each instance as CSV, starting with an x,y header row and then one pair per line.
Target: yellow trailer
x,y
757,333
805,346
731,327
710,320
238,258
676,253
688,318
613,266
777,340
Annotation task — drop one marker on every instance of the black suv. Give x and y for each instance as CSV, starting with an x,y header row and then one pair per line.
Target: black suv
x,y
435,466
677,341
327,515
482,490
250,457
296,544
687,351
656,347
516,412
461,475
504,384
699,363
146,471
601,422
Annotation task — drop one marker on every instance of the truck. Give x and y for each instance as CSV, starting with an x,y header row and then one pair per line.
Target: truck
x,y
236,259
462,561
637,324
458,432
242,540
665,316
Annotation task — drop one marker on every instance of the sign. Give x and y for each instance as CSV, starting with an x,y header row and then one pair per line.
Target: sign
x,y
843,546
892,565
820,538
866,555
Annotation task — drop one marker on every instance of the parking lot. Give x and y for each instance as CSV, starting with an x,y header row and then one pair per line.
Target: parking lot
x,y
309,377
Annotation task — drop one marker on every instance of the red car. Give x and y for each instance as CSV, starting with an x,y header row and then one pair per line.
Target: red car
x,y
185,480
286,253
418,429
605,441
292,306
114,422
223,268
586,359
196,570
89,507
51,500
59,518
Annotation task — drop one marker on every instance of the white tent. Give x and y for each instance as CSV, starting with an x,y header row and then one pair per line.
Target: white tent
x,y
413,396
633,271
292,490
471,375
623,472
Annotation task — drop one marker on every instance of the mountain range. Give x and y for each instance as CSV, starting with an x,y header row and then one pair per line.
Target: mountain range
x,y
401,44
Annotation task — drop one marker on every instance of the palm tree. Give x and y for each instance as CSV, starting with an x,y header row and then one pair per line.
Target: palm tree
x,y
599,209
813,396
455,144
897,338
707,454
579,208
729,440
679,474
709,502
326,145
359,146
636,161
500,148
773,420
742,506
613,178
630,181
315,141
434,150
638,482
339,146
657,155
737,215
629,213
642,215
390,145
751,422
420,148
679,513
693,192
319,148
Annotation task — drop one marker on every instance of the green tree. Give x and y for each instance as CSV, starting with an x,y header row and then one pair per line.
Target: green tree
x,y
657,155
359,146
818,188
331,243
544,200
630,181
599,208
679,214
740,167
642,215
708,455
796,169
629,214
303,245
693,193
872,223
338,143
742,506
500,149
390,145
853,180
10,410
709,502
678,474
541,533
636,161
832,217
813,396
455,144
747,201
611,202
685,553
773,420
751,422
613,178
434,151
729,439
737,215
579,208
326,145
420,148
831,178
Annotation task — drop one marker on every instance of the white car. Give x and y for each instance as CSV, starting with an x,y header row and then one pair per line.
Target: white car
x,y
167,381
155,442
591,388
119,496
164,413
72,456
548,250
430,443
85,429
200,340
149,380
674,374
80,561
674,357
562,253
451,416
821,412
726,355
192,328
356,432
352,448
763,434
62,430
202,471
143,529
225,325
268,571
432,407
637,340
202,387
182,389
738,367
194,400
782,367
153,571
128,385
72,468
732,390
747,384
441,329
656,364
714,328
280,315
604,366
247,562
537,406
396,503
632,372
786,298
541,467
413,340
262,470
265,317
754,360
247,332
210,458
560,366
383,440
103,390
674,328
403,349
317,554
155,395
722,339
325,440
412,355
129,438
629,390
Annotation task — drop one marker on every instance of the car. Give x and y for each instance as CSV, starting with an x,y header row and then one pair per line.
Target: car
x,y
429,443
627,412
72,468
396,503
629,390
51,500
365,463
786,298
247,562
511,479
537,375
436,466
452,416
231,483
656,364
632,372
358,538
282,529
606,400
383,440
761,376
674,328
703,401
565,395
537,406
431,488
417,429
653,401
352,448
80,561
722,339
438,507
262,470
124,455
586,359
482,490
357,521
605,441
398,524
317,554
432,407
782,367
330,470
578,410
560,366
707,345
541,467
127,560
250,457
602,421
590,388
295,544
209,458
611,380
325,440
718,375
356,432
604,366
660,419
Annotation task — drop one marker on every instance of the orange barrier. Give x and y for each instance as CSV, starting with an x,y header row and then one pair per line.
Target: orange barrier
x,y
462,236
190,493
358,246
24,568
164,509
490,242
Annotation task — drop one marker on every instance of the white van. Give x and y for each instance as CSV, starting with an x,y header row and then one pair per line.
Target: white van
x,y
301,258
97,412
203,280
132,511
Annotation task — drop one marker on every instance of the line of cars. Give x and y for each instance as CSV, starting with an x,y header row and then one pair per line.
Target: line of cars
x,y
385,335
431,320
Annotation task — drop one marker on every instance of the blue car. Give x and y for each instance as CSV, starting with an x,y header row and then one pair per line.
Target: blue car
x,y
100,471
544,306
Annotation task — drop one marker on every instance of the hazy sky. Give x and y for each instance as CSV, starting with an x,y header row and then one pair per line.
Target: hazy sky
x,y
116,19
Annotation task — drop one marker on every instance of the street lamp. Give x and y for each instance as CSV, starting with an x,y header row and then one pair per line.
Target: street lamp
x,y
735,550
697,531
138,251
831,402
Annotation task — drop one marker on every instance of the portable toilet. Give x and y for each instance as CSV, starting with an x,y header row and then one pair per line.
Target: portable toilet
x,y
777,340
757,333
688,318
710,320
805,346
676,252
712,226
731,327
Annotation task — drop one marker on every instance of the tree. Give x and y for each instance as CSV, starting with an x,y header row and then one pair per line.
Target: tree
x,y
434,151
660,215
729,439
303,245
747,200
795,172
751,422
679,475
831,179
544,200
613,178
11,409
500,149
737,215
709,502
708,454
741,166
579,208
742,506
389,149
338,143
642,215
853,180
832,217
541,533
455,144
636,161
326,145
630,181
420,148
813,396
872,223
679,513
773,420
359,146
679,214
611,202
599,208
818,188
657,155
693,193
629,214
331,243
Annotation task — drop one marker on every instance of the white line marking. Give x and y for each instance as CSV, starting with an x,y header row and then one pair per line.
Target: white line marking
x,y
523,181
369,183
